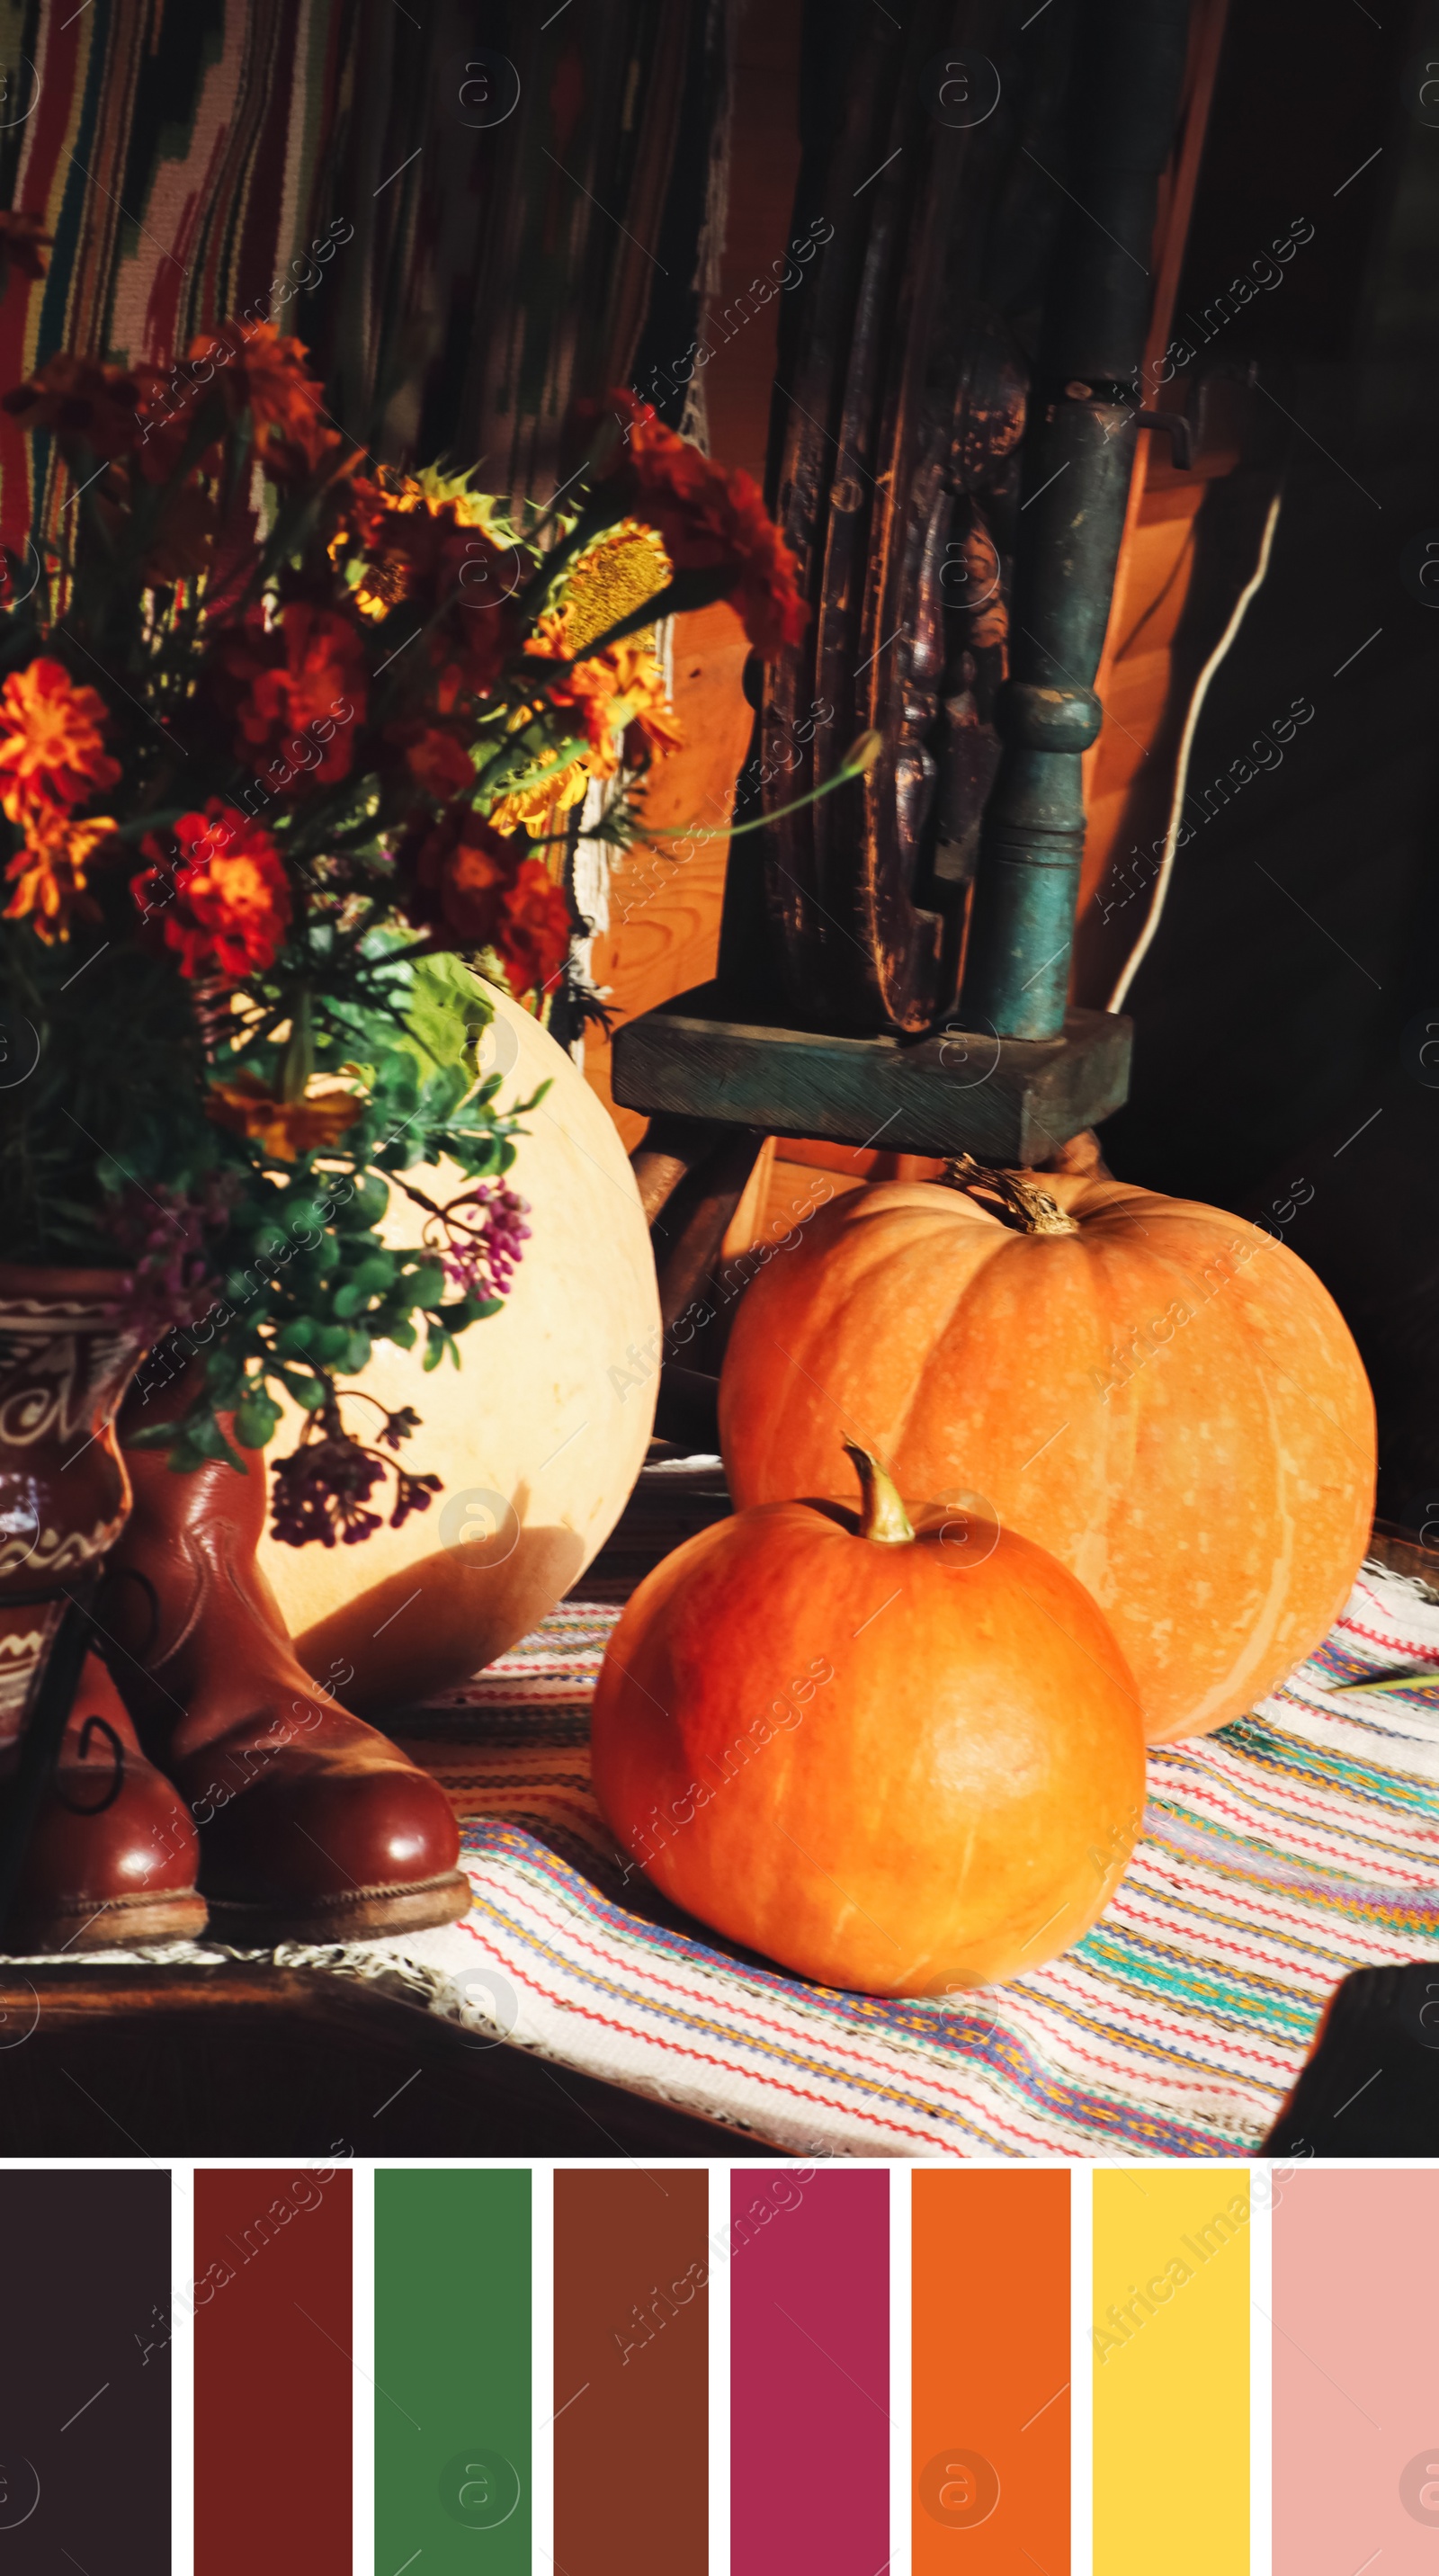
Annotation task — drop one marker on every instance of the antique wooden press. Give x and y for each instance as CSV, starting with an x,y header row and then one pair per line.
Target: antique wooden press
x,y
894,959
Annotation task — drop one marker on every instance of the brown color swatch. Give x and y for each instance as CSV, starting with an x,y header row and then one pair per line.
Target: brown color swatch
x,y
631,2389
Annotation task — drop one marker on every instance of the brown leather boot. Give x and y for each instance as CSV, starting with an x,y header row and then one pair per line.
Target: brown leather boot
x,y
113,1853
312,1826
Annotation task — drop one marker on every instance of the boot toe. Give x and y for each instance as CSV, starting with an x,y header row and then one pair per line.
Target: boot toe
x,y
112,1857
353,1842
329,1831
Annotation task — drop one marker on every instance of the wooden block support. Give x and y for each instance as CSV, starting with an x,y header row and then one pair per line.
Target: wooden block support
x,y
1006,1100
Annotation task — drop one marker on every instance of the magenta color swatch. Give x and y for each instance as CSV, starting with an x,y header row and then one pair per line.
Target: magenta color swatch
x,y
809,2373
1356,2388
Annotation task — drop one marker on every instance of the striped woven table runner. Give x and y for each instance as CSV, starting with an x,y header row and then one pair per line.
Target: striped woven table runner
x,y
1278,1854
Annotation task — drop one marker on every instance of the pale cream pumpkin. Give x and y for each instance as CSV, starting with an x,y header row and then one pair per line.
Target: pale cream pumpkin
x,y
538,1436
1158,1393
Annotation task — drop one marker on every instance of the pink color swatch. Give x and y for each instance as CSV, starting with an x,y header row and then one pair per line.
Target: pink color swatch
x,y
809,2383
1356,2373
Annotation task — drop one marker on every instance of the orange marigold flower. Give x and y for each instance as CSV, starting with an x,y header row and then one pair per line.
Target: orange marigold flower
x,y
284,1128
221,896
271,379
607,693
307,689
709,517
49,873
51,739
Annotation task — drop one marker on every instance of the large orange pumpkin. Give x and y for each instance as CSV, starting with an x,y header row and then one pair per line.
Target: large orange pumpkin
x,y
1160,1394
895,1763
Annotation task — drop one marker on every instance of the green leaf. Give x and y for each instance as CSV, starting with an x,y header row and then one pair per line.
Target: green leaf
x,y
449,1011
198,1439
256,1420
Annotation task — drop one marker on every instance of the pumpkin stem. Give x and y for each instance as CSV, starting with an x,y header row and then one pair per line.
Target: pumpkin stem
x,y
883,1517
1022,1203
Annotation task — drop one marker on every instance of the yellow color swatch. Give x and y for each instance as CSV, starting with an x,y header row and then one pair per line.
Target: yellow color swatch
x,y
1171,2372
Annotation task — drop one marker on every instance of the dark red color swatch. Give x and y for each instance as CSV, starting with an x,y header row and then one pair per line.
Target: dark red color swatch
x,y
273,2377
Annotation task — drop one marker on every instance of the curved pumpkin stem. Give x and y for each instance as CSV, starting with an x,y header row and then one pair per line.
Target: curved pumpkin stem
x,y
883,1517
1022,1204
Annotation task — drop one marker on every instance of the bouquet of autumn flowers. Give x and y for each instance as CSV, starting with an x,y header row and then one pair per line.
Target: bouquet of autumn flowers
x,y
281,734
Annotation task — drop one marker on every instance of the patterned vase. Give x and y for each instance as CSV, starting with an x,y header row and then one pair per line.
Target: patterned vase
x,y
65,1362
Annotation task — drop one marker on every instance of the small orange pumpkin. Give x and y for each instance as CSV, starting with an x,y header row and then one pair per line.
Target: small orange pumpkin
x,y
1161,1395
898,1763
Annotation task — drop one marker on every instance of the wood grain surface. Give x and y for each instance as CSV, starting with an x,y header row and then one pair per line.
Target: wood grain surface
x,y
665,896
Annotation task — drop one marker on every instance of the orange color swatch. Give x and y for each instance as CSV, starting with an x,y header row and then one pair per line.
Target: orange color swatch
x,y
990,2405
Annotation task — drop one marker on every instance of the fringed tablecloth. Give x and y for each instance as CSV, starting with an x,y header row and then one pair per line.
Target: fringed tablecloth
x,y
1278,1854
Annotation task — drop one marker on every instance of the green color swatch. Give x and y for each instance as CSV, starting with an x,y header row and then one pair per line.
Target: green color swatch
x,y
452,2373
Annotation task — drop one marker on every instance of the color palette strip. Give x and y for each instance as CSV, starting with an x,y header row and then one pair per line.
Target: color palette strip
x,y
611,2368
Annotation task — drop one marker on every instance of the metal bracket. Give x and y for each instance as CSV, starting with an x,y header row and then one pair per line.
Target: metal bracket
x,y
1179,431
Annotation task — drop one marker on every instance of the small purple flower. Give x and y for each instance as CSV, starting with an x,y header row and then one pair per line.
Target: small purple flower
x,y
164,1232
322,1488
486,1235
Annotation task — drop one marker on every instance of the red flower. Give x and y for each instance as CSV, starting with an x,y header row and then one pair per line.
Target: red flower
x,y
81,400
51,740
457,580
22,239
456,871
534,935
222,897
436,758
307,689
462,580
472,889
708,516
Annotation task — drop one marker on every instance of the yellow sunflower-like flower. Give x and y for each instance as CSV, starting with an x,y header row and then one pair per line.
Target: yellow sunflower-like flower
x,y
611,579
535,807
